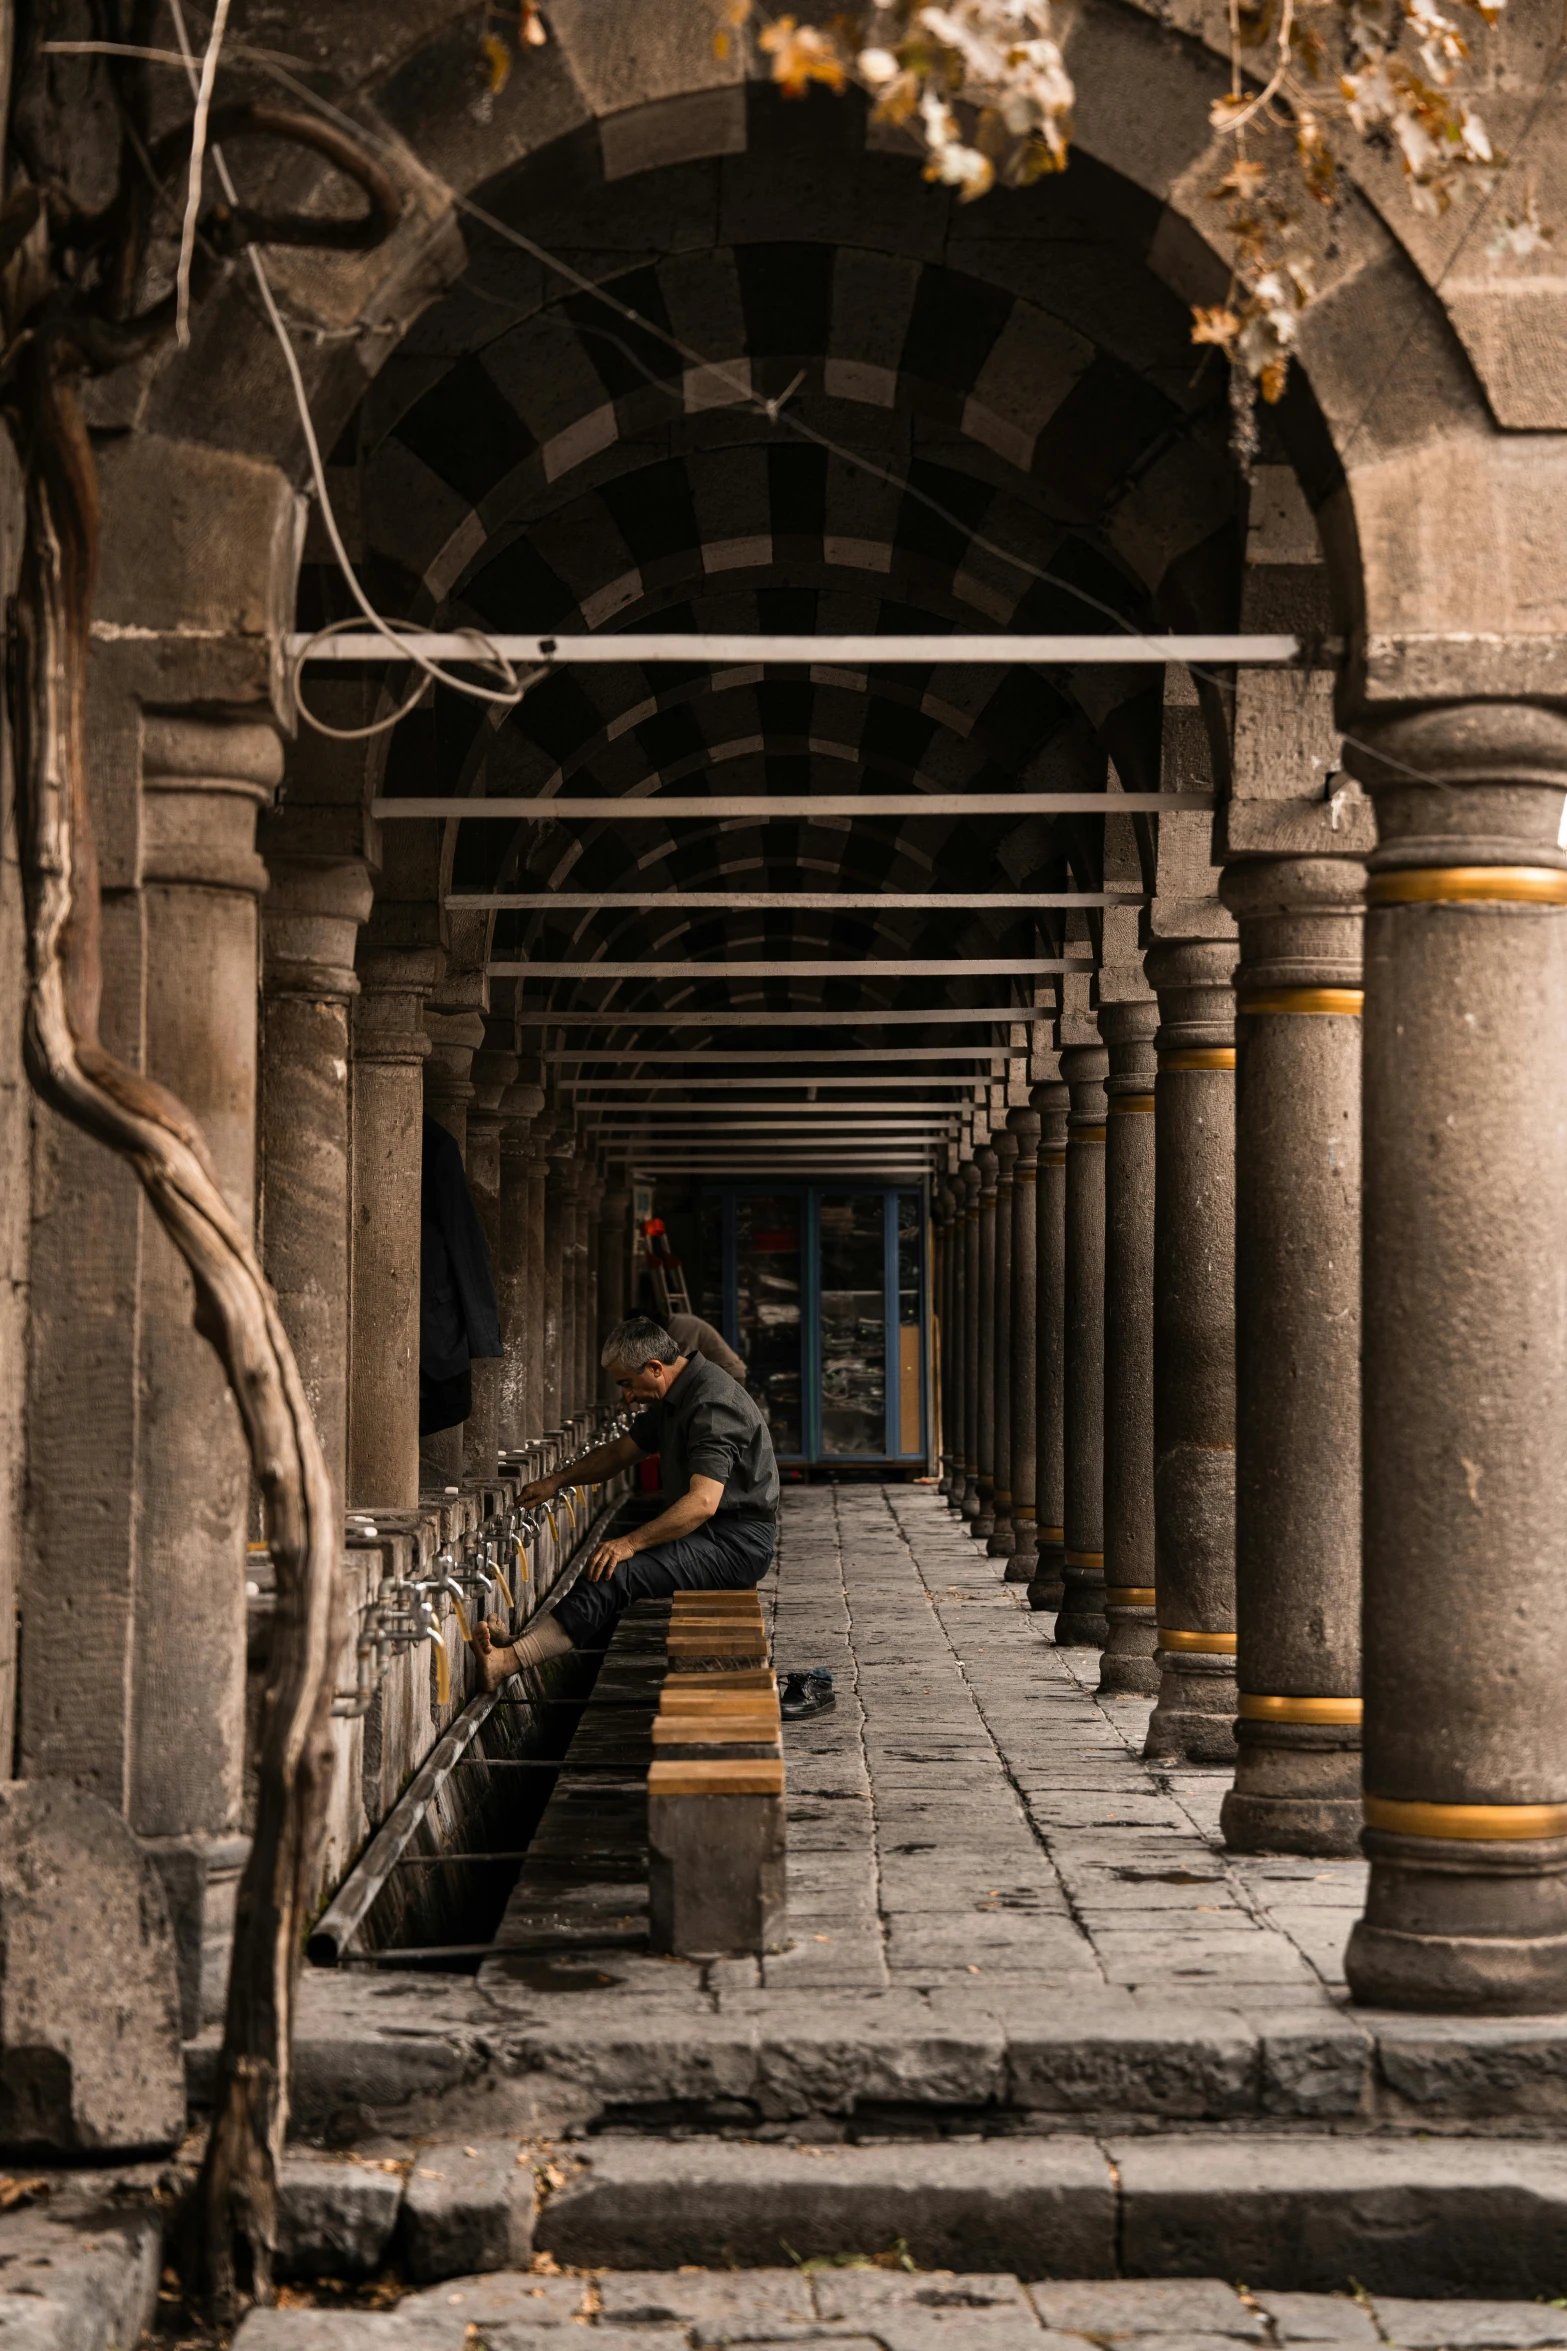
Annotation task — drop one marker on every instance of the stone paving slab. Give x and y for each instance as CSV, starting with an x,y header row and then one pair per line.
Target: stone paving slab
x,y
878,2309
995,1906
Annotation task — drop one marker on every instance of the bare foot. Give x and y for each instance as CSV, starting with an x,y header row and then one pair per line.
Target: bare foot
x,y
497,1660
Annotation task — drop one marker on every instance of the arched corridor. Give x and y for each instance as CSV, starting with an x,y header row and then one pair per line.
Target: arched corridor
x,y
1122,1165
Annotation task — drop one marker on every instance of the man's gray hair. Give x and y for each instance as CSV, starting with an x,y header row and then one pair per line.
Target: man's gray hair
x,y
636,1342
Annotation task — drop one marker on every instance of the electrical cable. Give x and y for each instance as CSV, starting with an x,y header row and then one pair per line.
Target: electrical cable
x,y
486,655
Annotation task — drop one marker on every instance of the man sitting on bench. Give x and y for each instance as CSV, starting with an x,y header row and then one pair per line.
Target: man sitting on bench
x,y
718,1533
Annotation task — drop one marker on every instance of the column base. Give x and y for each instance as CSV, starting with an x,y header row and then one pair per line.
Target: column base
x,y
1194,1720
1130,1667
1082,1623
200,1877
1003,1542
983,1524
1297,1790
1024,1562
1470,1975
970,1503
1475,1926
1047,1584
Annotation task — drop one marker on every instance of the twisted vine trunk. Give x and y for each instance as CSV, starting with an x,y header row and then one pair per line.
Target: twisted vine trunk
x,y
233,2222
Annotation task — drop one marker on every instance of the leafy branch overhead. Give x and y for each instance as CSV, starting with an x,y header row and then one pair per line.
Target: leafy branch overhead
x,y
983,85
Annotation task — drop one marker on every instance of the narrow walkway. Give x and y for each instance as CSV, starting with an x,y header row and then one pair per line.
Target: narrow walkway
x,y
970,1809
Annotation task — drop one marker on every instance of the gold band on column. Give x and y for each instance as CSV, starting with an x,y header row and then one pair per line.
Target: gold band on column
x,y
1492,1822
1344,1000
1023,1175
1052,1159
1003,1496
1085,1559
1197,1057
1129,1596
1197,1644
1085,1134
1022,1510
1458,885
1052,1534
1130,1102
1322,1710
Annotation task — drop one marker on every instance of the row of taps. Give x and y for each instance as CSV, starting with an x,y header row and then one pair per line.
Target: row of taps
x,y
488,1563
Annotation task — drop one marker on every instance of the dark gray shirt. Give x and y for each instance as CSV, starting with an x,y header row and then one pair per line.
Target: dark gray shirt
x,y
708,1427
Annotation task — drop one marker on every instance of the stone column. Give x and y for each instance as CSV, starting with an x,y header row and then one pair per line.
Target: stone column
x,y
1194,1350
391,1045
202,784
1024,1385
310,926
971,1178
538,1274
1048,1585
557,1288
1465,1361
492,1073
520,1106
1002,1540
614,1267
983,1525
449,1093
952,1349
1129,1666
1081,1623
1297,1355
939,1265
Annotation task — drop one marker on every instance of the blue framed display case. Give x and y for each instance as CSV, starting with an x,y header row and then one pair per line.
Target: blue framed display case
x,y
822,1288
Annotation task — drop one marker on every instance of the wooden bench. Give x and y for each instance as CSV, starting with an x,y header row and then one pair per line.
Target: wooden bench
x,y
716,1835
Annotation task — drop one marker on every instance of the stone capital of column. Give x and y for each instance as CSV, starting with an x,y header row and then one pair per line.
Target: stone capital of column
x,y
1003,1143
1301,921
490,1074
1024,1126
454,1037
310,921
989,1169
202,782
970,1177
388,1016
1128,1029
1195,980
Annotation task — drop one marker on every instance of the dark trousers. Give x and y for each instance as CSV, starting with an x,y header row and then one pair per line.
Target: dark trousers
x,y
727,1555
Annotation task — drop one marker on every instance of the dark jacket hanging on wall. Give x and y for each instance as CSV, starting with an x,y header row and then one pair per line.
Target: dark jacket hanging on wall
x,y
459,1314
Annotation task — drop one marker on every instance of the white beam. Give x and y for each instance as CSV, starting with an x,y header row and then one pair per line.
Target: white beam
x,y
829,1057
701,646
783,807
784,901
864,967
874,1016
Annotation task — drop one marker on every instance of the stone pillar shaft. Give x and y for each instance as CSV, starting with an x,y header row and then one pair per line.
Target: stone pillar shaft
x,y
387,1110
1297,1356
1052,1100
971,1177
310,924
1465,1361
1129,1666
984,1317
1002,1539
1081,1623
1194,1350
1024,1125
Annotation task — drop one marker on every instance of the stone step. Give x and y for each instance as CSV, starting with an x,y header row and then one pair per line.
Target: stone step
x,y
1306,2213
604,2036
874,2308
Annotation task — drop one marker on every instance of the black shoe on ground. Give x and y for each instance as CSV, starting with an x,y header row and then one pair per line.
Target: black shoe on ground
x,y
807,1693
